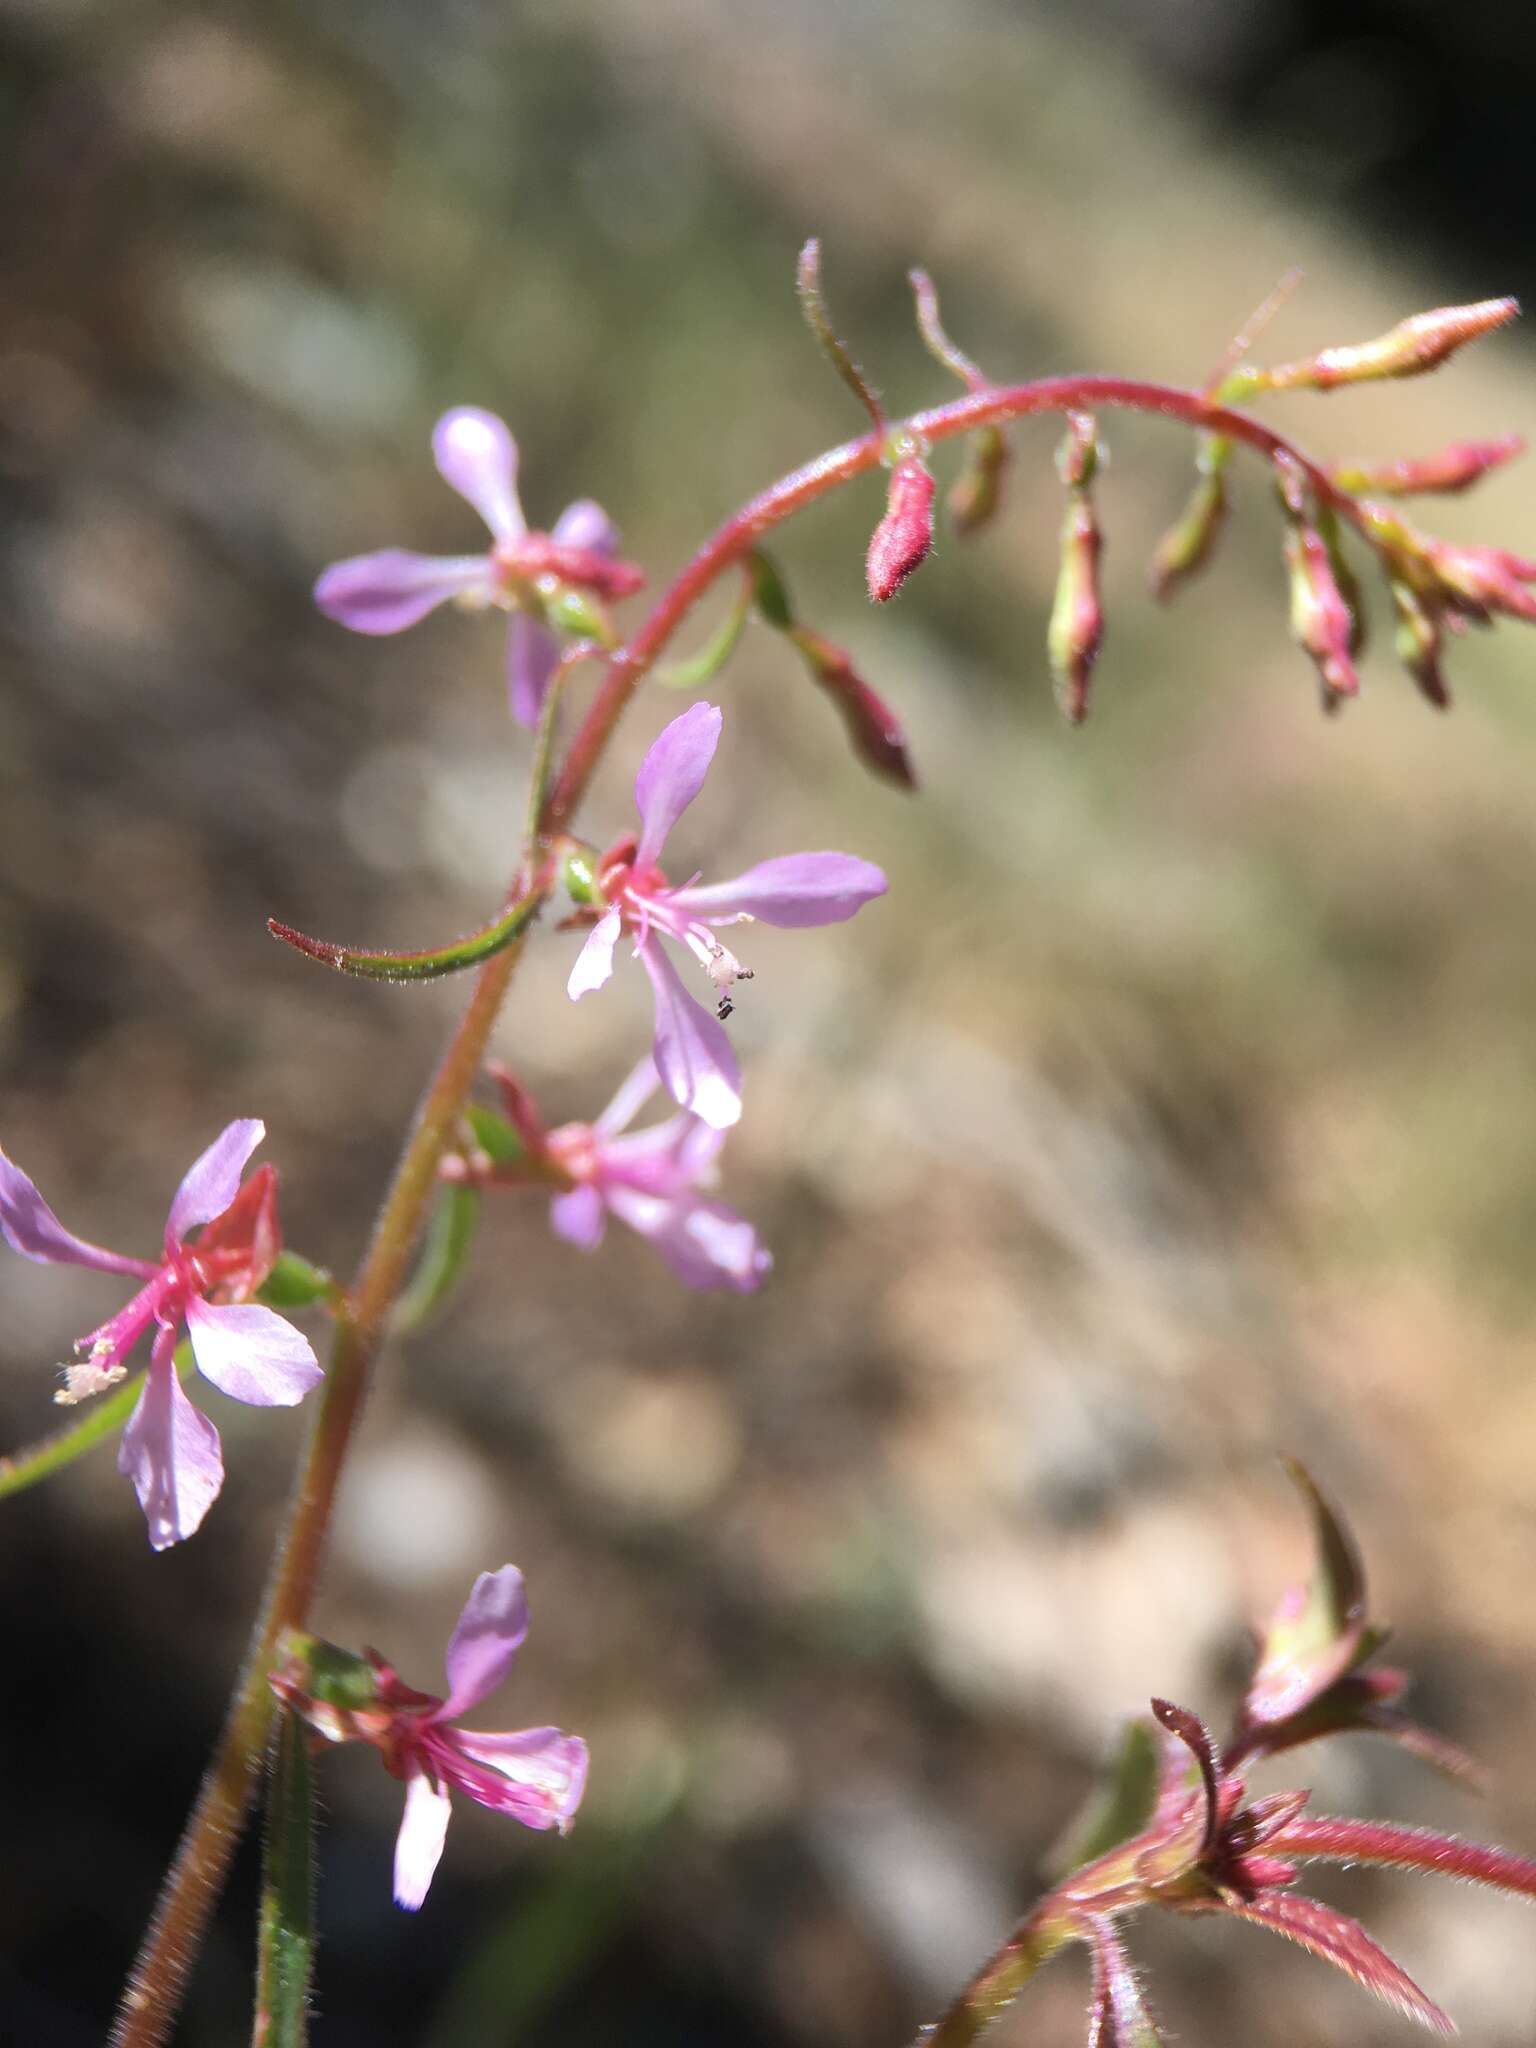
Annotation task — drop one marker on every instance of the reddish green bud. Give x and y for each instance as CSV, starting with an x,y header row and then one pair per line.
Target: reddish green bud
x,y
1417,642
900,543
873,727
1448,470
1076,630
974,495
1187,545
1412,347
1322,621
1077,459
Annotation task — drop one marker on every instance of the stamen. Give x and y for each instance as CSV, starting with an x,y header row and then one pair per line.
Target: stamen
x,y
82,1381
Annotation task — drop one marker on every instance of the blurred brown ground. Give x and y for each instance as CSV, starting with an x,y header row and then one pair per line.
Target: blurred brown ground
x,y
1174,1111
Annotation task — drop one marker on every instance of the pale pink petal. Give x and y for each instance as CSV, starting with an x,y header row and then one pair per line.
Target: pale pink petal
x,y
705,1244
31,1228
694,1058
212,1181
252,1354
533,654
476,454
655,1159
485,1640
585,524
170,1450
390,590
579,1217
796,889
630,1097
544,1773
594,963
419,1844
672,774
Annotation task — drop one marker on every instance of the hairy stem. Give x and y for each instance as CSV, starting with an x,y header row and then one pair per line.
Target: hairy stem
x,y
196,1876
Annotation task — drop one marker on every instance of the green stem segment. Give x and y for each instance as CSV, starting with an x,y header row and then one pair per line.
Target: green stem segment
x,y
285,1928
196,1876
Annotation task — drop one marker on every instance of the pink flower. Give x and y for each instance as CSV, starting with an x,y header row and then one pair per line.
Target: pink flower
x,y
535,1774
650,1179
693,1056
521,571
170,1450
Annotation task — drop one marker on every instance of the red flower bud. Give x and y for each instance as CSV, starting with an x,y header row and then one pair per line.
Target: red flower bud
x,y
902,539
1448,469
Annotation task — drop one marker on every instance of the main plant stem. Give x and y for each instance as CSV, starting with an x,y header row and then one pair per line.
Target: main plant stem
x,y
196,1876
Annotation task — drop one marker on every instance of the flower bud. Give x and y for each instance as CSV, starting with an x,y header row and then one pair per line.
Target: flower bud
x,y
1417,642
1076,630
902,539
1323,622
1449,469
534,555
578,875
1186,546
973,497
873,728
1412,347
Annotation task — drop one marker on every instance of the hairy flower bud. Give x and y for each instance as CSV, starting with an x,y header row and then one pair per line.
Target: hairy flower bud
x,y
973,497
1412,347
1323,622
1076,629
873,728
1450,469
1187,545
902,539
1417,643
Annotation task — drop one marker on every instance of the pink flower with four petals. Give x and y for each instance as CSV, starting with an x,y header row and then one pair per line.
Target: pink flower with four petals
x,y
651,1180
170,1450
390,590
693,1056
535,1774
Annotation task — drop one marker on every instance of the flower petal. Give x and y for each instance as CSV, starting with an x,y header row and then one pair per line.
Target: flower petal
x,y
544,1770
579,1217
477,457
252,1354
485,1639
705,1243
663,1159
533,654
630,1097
212,1181
694,1058
797,889
170,1450
672,774
584,524
419,1844
31,1228
390,590
594,963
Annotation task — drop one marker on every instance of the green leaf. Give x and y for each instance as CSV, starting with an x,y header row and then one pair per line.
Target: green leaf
x,y
769,592
1120,1807
371,965
444,1253
285,1943
103,1418
707,664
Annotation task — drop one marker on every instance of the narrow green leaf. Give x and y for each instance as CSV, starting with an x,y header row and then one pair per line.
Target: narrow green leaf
x,y
1119,1807
770,593
707,664
444,1251
102,1418
431,965
285,1944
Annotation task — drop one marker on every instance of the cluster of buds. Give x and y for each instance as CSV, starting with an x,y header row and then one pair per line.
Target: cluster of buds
x,y
1177,1832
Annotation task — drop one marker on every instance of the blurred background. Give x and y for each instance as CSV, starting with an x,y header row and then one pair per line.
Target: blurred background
x,y
1174,1111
